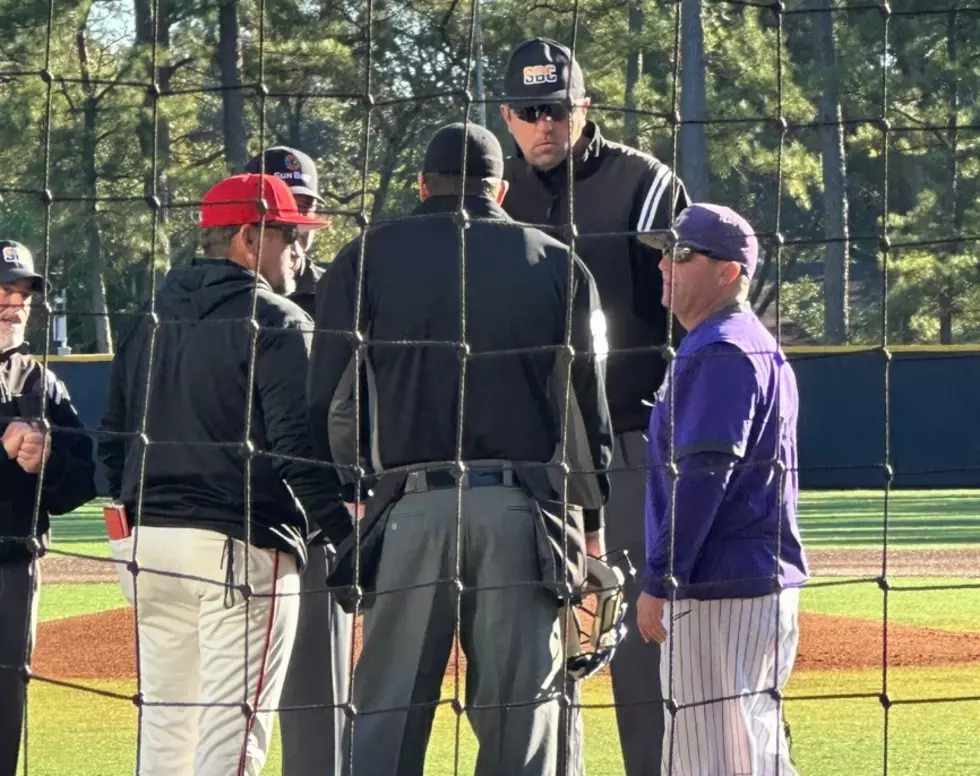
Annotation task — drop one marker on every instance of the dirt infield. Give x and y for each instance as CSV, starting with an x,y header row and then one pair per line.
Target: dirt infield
x,y
101,646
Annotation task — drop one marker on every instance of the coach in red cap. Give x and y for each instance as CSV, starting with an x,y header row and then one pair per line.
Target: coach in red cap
x,y
211,467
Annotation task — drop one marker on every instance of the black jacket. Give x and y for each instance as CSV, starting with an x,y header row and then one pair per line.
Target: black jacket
x,y
195,464
69,474
520,286
618,190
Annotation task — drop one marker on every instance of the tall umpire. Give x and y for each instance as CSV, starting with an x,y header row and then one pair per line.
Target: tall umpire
x,y
617,191
68,481
511,311
312,730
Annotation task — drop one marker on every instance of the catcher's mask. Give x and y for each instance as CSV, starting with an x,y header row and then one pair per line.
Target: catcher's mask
x,y
589,651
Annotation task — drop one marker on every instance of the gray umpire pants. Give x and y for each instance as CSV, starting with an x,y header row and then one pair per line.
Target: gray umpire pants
x,y
635,668
317,678
18,618
510,635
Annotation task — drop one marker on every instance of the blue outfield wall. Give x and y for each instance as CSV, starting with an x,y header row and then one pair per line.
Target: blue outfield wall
x,y
934,414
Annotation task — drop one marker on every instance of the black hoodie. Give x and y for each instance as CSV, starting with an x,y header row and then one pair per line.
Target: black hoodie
x,y
194,471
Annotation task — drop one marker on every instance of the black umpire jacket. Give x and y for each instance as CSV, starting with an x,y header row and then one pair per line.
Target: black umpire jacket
x,y
618,190
69,474
195,467
520,286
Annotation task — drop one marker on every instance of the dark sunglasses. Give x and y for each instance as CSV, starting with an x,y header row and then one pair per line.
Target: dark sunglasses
x,y
531,113
684,254
289,232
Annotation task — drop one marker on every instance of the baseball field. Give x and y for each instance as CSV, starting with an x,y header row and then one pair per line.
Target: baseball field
x,y
81,722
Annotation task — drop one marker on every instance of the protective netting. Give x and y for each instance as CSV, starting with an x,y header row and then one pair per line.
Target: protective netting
x,y
391,118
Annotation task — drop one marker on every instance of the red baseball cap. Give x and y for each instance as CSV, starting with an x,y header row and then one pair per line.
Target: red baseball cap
x,y
238,200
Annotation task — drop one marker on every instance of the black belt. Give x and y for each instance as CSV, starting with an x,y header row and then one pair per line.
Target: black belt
x,y
439,479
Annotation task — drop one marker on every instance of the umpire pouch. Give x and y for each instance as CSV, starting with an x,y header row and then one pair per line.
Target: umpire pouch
x,y
559,532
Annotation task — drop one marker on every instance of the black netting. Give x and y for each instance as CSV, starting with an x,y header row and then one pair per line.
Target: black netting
x,y
374,79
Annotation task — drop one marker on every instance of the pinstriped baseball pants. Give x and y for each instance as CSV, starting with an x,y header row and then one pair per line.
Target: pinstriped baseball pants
x,y
720,663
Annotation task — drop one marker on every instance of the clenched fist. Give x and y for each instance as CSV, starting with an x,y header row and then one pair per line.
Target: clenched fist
x,y
13,437
35,449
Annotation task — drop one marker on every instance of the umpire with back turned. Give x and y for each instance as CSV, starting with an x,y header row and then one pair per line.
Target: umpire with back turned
x,y
617,190
508,301
67,482
311,718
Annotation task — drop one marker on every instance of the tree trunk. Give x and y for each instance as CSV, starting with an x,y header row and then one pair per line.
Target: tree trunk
x,y
693,146
90,177
836,275
154,134
232,96
953,205
634,66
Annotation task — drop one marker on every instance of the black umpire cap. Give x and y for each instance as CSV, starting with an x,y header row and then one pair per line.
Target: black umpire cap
x,y
542,69
293,167
444,154
16,263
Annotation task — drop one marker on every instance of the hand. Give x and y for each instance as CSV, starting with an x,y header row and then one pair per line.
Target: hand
x,y
649,618
35,449
356,510
13,437
595,543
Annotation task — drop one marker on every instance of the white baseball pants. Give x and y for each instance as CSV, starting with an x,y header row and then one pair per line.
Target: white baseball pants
x,y
719,664
211,665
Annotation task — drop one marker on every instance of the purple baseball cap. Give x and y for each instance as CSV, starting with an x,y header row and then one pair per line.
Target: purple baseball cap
x,y
714,230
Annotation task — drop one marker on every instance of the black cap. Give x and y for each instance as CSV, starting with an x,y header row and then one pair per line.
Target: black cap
x,y
542,69
292,166
16,263
484,156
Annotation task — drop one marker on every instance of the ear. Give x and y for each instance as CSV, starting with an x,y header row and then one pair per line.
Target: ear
x,y
730,270
423,189
584,107
502,191
505,114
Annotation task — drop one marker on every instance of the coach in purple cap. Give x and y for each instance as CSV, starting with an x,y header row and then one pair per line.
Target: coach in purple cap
x,y
724,561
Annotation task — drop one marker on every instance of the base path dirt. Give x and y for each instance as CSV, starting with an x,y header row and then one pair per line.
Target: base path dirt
x,y
102,646
900,562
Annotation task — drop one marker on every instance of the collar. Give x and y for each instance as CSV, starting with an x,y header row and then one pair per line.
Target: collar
x,y
9,352
475,206
587,160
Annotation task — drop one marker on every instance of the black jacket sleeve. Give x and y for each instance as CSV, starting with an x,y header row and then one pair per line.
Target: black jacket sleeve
x,y
657,203
589,340
115,419
112,448
69,475
333,345
281,363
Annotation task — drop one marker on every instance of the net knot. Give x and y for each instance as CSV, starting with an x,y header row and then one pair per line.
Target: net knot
x,y
885,9
888,472
153,91
47,198
153,202
672,707
883,583
885,701
261,90
46,75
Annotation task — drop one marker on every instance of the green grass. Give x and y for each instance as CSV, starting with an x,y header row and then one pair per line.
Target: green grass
x,y
60,601
82,531
931,519
949,609
89,735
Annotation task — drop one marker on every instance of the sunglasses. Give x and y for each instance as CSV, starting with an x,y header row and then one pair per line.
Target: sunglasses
x,y
289,232
531,113
683,254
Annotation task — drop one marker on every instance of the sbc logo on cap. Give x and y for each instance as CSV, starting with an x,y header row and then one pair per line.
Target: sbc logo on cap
x,y
540,74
